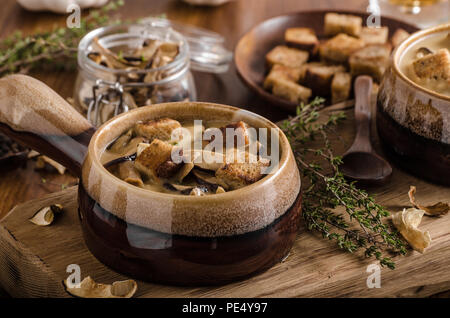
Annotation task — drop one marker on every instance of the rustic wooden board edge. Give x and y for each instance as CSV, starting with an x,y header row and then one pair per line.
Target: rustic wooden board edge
x,y
329,273
18,262
22,273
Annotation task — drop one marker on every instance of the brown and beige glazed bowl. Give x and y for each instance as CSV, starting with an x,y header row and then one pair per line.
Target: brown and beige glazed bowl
x,y
414,122
155,236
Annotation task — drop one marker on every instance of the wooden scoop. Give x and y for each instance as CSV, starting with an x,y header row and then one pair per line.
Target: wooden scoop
x,y
360,162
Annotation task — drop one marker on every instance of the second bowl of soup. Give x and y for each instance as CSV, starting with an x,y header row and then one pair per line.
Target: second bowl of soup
x,y
413,116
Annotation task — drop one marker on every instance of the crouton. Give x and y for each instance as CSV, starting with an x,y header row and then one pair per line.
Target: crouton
x,y
157,129
319,77
341,87
286,56
281,71
238,175
342,23
239,130
155,161
304,68
291,91
374,35
339,48
302,38
371,60
433,66
399,36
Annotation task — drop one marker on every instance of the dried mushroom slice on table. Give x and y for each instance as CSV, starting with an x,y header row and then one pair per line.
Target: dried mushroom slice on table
x,y
407,222
42,161
88,288
46,215
437,209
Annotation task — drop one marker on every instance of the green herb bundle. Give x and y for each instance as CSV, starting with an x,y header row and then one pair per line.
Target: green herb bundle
x,y
327,191
54,49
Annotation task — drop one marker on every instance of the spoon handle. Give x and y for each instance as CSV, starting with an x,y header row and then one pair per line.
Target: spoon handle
x,y
363,89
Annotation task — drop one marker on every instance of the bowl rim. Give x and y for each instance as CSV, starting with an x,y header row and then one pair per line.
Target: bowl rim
x,y
258,89
405,45
94,153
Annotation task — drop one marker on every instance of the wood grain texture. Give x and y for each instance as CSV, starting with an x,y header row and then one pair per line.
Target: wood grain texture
x,y
33,259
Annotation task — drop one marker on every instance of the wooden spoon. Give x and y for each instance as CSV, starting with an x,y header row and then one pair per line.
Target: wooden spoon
x,y
360,162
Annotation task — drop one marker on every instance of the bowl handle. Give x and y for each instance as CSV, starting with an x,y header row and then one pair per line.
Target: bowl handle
x,y
37,117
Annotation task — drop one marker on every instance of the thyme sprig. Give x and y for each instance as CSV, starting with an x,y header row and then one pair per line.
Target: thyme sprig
x,y
54,49
327,192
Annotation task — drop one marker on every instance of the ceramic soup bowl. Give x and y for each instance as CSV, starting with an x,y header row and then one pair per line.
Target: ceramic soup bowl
x,y
413,120
149,235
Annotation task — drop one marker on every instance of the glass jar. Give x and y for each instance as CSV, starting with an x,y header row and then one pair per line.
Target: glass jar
x,y
102,92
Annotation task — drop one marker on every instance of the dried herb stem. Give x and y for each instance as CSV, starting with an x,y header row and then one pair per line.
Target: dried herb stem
x,y
55,49
327,190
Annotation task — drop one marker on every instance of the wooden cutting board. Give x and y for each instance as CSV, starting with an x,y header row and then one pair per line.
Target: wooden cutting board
x,y
33,259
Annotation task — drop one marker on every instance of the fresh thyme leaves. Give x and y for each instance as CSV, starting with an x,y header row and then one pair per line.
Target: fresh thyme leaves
x,y
328,194
20,54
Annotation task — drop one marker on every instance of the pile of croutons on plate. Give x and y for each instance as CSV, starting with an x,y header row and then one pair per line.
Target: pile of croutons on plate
x,y
306,66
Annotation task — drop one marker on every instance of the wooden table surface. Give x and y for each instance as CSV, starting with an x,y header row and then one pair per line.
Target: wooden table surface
x,y
231,20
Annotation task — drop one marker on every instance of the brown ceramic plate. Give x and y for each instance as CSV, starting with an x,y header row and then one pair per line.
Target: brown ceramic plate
x,y
250,52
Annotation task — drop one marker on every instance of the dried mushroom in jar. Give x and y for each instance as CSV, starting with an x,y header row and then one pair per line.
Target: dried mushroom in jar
x,y
140,71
